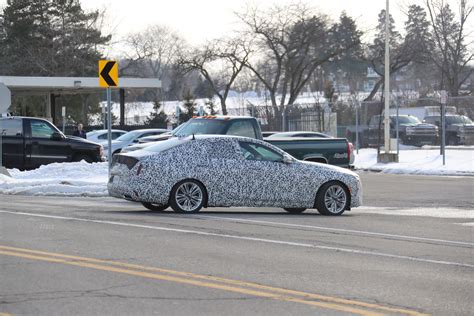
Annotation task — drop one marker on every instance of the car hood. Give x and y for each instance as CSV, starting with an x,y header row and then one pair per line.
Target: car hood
x,y
326,167
80,140
161,137
137,147
114,142
421,125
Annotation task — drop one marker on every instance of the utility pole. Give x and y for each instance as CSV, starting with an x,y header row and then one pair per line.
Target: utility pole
x,y
387,81
386,156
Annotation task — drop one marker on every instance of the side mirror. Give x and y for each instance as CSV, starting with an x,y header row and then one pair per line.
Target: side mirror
x,y
287,160
56,136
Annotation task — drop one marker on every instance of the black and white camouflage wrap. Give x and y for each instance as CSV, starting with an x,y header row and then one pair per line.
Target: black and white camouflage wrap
x,y
230,180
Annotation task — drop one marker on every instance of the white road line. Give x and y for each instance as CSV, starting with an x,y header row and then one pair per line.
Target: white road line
x,y
231,219
270,241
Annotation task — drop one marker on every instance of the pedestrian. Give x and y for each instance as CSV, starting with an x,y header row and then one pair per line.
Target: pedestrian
x,y
79,132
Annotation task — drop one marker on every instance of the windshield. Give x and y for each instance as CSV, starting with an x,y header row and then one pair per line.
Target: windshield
x,y
458,119
129,136
407,120
202,126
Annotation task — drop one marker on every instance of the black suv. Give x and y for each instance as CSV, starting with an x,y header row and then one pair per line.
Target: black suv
x,y
459,128
29,142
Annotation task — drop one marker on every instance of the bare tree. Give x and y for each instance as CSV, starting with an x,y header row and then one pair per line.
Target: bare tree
x,y
290,42
219,62
451,57
152,52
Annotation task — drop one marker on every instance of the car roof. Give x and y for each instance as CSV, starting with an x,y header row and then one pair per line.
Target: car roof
x,y
149,130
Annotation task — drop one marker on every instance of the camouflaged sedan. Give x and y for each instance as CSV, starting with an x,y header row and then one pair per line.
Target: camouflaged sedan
x,y
224,171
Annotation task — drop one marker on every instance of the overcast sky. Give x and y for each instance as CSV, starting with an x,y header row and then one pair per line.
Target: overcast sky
x,y
198,20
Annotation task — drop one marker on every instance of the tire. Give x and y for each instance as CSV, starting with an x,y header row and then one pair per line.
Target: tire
x,y
188,196
451,140
332,199
155,207
295,210
87,158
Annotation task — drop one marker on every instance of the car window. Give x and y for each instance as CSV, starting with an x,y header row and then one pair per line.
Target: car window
x,y
12,127
242,128
41,129
116,134
103,136
252,151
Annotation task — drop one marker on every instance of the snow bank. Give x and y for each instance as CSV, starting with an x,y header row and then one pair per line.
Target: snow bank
x,y
421,162
67,179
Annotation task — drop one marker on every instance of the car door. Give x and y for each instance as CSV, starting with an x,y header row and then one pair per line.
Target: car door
x,y
268,180
12,142
223,172
41,146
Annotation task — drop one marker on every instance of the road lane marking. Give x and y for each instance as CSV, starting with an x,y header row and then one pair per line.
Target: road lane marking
x,y
271,241
218,283
362,232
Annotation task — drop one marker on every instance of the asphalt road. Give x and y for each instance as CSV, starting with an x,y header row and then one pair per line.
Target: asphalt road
x,y
409,250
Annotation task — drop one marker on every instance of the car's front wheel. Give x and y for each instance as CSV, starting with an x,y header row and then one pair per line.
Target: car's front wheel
x,y
295,210
188,196
332,198
155,207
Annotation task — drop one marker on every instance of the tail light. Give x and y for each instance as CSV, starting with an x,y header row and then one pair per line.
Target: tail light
x,y
350,149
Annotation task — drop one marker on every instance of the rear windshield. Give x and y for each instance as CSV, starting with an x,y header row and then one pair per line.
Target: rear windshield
x,y
165,145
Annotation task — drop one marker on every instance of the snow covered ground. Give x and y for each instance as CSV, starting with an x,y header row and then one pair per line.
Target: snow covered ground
x,y
83,179
459,162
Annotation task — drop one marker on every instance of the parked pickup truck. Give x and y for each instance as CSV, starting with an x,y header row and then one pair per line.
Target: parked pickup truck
x,y
28,143
459,128
334,151
411,131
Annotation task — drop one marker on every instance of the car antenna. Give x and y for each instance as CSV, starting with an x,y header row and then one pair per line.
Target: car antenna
x,y
194,138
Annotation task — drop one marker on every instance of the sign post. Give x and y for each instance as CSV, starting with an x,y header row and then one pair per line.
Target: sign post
x,y
443,100
5,102
108,77
63,112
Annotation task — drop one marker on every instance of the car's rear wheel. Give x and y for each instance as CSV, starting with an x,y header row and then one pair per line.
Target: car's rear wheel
x,y
295,210
332,199
155,207
188,196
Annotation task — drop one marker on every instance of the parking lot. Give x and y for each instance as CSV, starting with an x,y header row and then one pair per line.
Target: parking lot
x,y
408,250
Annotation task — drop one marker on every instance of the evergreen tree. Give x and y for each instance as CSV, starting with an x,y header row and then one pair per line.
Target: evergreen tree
x,y
417,29
189,107
51,38
157,118
350,64
211,106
